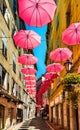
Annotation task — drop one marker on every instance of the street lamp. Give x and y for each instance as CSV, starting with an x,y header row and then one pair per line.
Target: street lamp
x,y
68,65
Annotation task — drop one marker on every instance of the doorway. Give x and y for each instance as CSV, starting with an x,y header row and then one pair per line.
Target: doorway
x,y
68,117
11,115
77,121
51,114
1,117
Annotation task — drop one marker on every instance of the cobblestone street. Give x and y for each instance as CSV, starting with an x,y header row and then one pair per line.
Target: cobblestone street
x,y
35,124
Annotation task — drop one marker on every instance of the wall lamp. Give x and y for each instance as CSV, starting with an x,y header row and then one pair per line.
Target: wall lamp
x,y
68,65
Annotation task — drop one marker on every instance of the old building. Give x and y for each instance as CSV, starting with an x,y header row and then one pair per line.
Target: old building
x,y
15,103
62,113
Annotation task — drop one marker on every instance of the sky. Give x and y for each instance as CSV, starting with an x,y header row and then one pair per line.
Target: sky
x,y
40,51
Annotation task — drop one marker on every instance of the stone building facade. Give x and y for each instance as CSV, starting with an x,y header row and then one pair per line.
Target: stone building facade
x,y
62,113
15,103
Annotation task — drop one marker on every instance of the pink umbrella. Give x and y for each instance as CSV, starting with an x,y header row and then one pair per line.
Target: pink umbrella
x,y
30,83
37,12
55,67
50,75
30,87
60,54
71,36
30,77
27,39
28,70
27,59
31,91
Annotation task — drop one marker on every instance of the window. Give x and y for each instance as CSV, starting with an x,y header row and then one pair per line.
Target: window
x,y
14,8
68,15
0,75
20,75
14,63
7,82
58,80
4,78
13,29
19,51
57,22
3,75
56,1
1,5
4,45
18,92
13,83
58,43
5,12
68,18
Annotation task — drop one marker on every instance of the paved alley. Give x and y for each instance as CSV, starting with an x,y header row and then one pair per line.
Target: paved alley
x,y
35,124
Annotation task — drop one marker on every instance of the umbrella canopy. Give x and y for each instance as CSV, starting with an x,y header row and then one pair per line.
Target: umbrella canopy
x,y
55,67
27,59
30,77
27,39
30,83
28,70
37,12
71,36
50,75
31,87
60,54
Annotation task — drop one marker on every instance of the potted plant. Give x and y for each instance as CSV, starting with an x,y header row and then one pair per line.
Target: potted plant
x,y
71,83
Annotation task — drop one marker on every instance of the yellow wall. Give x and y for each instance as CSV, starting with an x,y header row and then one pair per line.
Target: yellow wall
x,y
63,7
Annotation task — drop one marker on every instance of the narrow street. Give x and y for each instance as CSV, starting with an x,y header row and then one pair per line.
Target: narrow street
x,y
35,124
39,64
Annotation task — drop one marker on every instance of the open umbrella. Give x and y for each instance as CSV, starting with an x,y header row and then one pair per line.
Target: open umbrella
x,y
55,67
28,70
60,54
71,36
30,83
27,59
30,87
50,75
37,12
30,77
27,39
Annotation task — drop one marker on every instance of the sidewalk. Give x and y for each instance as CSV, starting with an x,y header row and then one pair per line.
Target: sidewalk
x,y
55,127
17,126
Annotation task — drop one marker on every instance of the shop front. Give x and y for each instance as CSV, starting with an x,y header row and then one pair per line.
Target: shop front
x,y
19,113
2,108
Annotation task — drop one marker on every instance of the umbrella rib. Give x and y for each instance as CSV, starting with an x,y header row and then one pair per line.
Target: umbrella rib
x,y
32,14
27,9
31,43
46,3
19,39
71,35
26,40
45,11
